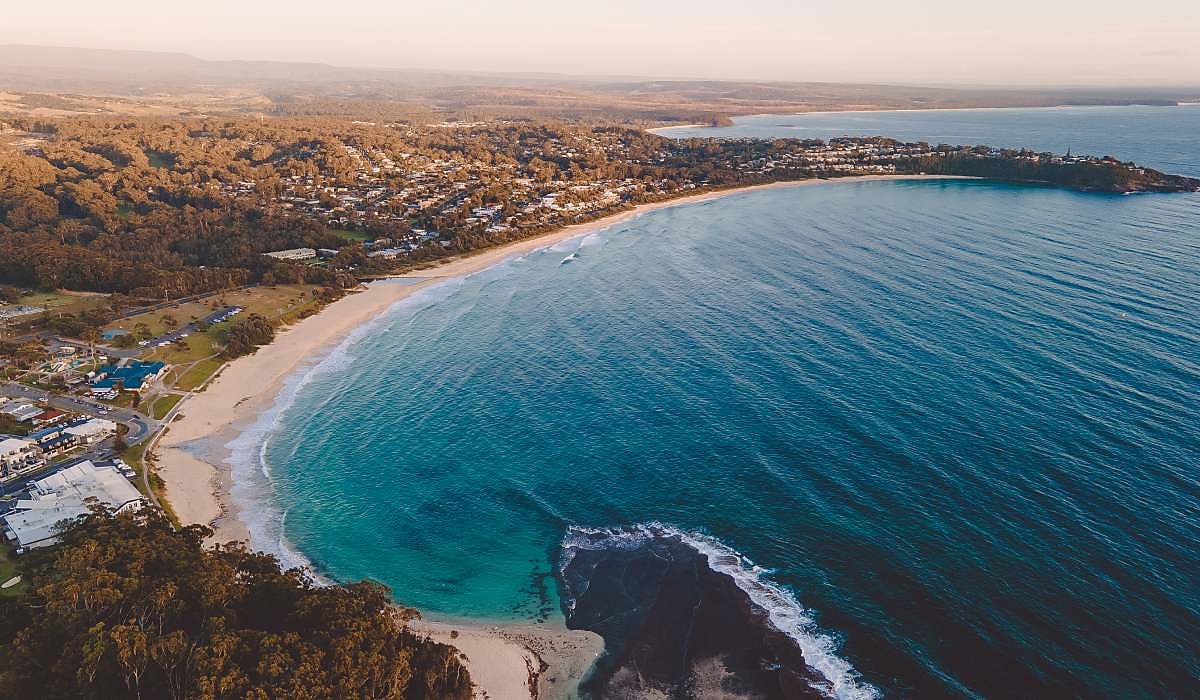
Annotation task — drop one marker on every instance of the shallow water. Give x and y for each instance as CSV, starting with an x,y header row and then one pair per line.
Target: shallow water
x,y
956,422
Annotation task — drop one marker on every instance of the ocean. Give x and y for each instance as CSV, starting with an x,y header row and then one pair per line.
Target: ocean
x,y
948,431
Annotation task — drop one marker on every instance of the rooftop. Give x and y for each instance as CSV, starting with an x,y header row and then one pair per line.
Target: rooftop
x,y
131,376
66,495
13,444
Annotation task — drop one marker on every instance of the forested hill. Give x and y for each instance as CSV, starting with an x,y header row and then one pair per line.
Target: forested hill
x,y
1104,175
165,208
127,610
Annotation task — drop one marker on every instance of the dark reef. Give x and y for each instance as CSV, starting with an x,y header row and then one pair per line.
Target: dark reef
x,y
672,626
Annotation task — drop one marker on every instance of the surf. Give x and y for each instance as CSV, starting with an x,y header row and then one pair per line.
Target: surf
x,y
835,676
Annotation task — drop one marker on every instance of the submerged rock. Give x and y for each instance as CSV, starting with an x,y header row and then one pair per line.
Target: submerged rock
x,y
674,627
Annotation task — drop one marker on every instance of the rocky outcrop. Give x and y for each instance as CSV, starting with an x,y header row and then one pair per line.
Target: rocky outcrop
x,y
675,628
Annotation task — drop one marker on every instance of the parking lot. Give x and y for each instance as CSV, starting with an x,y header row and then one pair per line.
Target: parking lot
x,y
170,337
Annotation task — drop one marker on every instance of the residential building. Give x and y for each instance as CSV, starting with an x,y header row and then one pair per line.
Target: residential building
x,y
20,411
81,431
19,456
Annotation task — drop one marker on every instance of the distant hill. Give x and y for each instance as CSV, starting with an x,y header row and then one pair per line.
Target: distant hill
x,y
314,88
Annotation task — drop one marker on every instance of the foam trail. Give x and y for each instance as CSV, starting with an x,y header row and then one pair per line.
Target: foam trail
x,y
591,239
785,613
253,484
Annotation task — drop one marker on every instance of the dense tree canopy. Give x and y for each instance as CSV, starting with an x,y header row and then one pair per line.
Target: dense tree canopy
x,y
124,608
245,336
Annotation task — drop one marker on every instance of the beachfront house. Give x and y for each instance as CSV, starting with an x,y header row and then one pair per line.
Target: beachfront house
x,y
19,456
64,496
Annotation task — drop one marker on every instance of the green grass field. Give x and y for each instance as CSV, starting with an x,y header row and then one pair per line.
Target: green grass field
x,y
195,376
271,302
163,405
199,346
355,236
8,569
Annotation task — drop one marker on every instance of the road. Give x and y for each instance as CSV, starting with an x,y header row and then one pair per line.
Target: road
x,y
171,336
140,426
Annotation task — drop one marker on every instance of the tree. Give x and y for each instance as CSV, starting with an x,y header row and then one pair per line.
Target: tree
x,y
245,336
129,607
91,336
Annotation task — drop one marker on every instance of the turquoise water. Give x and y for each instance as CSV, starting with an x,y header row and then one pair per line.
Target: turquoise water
x,y
956,421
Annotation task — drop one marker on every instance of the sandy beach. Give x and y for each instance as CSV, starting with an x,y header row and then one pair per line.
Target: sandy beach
x,y
519,660
198,479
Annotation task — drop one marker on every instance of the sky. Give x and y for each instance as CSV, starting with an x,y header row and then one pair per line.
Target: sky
x,y
935,42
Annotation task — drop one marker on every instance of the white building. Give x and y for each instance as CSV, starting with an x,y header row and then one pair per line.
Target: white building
x,y
293,254
19,456
92,431
21,412
66,495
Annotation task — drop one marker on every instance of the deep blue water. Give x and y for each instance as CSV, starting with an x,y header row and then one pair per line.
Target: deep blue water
x,y
1165,138
956,421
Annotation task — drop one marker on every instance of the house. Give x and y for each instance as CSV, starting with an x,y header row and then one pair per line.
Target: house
x,y
64,496
293,254
19,456
386,253
21,412
92,430
80,431
48,416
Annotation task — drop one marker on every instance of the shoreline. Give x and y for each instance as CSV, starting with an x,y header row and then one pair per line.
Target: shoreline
x,y
518,659
192,456
656,130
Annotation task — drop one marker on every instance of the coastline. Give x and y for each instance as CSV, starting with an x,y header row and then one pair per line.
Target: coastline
x,y
507,660
657,131
518,660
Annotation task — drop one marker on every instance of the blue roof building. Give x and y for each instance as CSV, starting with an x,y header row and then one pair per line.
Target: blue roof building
x,y
132,376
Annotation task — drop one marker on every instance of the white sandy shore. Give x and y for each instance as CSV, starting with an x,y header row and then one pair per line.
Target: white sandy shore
x,y
197,486
519,661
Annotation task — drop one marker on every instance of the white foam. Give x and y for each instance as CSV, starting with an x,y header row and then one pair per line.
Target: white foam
x,y
253,485
784,612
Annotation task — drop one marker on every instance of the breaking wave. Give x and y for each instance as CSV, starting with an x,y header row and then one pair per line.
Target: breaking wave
x,y
252,489
784,612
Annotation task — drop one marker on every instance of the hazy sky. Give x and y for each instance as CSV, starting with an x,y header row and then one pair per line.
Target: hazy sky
x,y
1058,42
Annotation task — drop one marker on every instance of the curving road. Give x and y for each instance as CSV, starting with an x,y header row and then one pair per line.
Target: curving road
x,y
140,426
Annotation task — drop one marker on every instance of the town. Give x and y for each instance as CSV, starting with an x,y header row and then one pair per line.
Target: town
x,y
138,256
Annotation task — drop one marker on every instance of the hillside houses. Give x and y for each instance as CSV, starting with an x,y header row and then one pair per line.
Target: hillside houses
x,y
429,186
